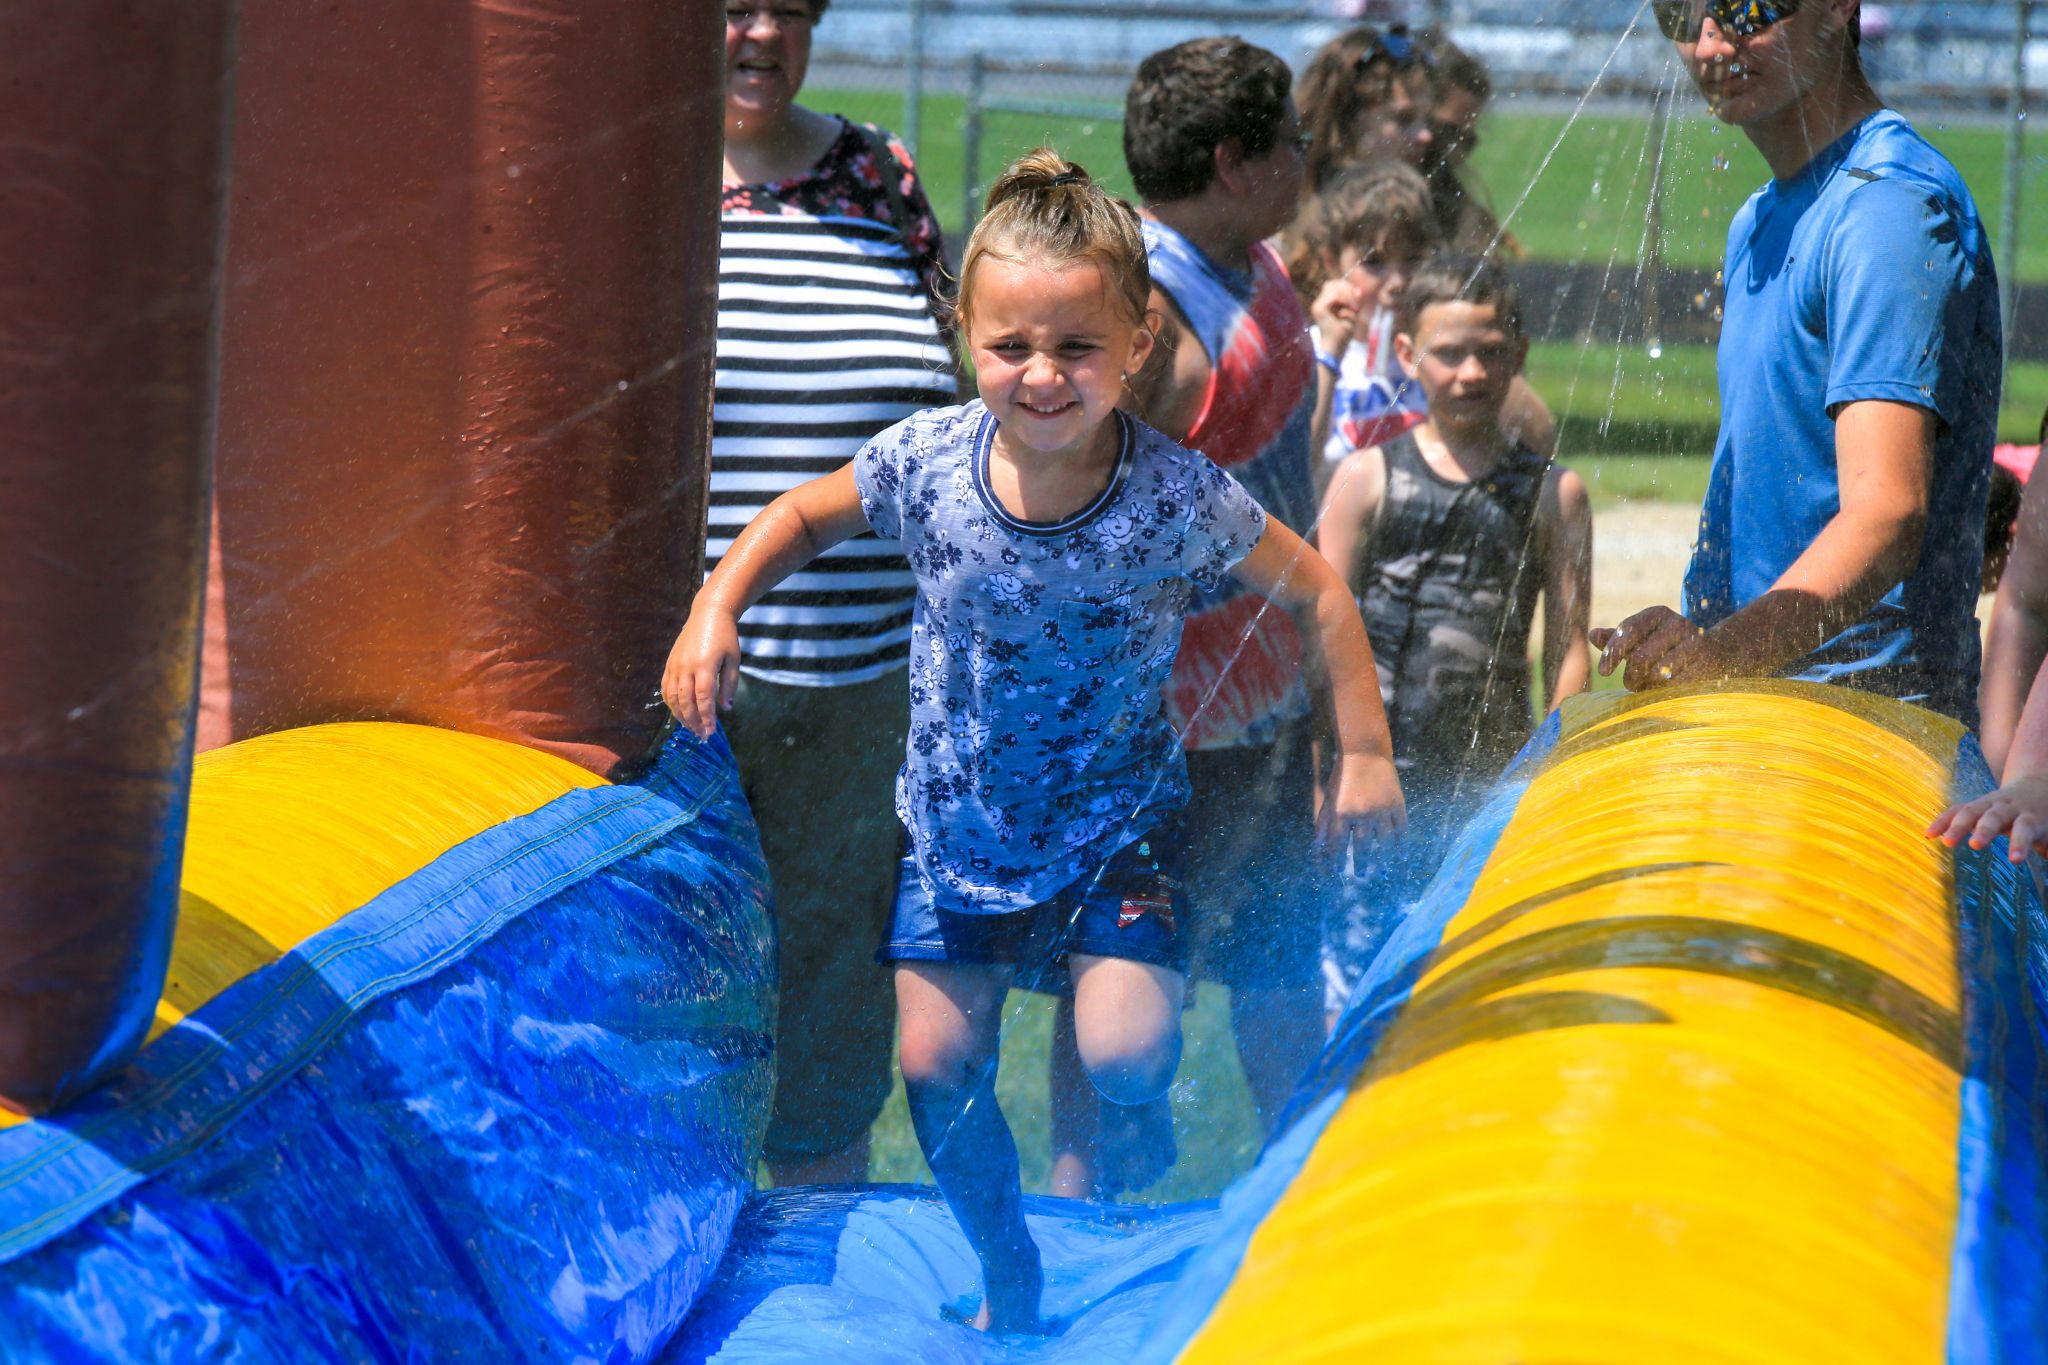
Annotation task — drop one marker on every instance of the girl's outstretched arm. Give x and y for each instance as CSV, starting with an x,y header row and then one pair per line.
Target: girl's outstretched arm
x,y
2019,808
704,664
2018,639
1364,797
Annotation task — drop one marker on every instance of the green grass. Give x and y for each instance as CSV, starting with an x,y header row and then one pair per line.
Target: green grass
x,y
1616,403
1589,202
1213,1120
1587,179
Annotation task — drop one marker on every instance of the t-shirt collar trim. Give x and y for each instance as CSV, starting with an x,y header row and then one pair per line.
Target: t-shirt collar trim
x,y
984,442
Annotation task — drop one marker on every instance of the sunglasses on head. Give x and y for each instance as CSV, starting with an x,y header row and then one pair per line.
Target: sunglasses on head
x,y
1396,45
1680,19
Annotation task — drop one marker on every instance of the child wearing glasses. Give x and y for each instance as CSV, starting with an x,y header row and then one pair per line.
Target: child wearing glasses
x,y
1450,533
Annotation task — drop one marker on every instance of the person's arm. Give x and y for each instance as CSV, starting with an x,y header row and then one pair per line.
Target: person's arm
x,y
2020,805
704,664
1565,528
1883,457
1350,508
1525,417
1336,311
2018,641
1365,793
1171,388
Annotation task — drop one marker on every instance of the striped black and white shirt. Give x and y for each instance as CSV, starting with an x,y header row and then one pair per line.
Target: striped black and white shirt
x,y
826,336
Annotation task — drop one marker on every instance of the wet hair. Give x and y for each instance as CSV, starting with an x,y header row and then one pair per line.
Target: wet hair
x,y
2001,523
1453,68
1046,210
1362,207
1332,98
1462,279
1189,99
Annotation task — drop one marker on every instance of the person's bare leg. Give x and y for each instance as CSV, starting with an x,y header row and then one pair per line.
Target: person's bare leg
x,y
950,1017
847,1166
1127,1034
1075,1110
1279,1032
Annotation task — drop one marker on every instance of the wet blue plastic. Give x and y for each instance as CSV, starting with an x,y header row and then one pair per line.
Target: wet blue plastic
x,y
855,1275
858,1275
1998,1294
507,1110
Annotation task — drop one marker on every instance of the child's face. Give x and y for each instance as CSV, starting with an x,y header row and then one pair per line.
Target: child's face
x,y
1051,348
1379,273
1464,358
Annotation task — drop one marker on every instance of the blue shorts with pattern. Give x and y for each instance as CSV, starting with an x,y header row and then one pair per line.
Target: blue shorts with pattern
x,y
1132,908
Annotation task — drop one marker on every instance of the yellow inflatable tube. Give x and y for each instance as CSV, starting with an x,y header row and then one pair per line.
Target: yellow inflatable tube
x,y
1681,1080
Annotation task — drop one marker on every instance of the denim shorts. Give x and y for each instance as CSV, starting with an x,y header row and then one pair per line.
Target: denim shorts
x,y
1133,908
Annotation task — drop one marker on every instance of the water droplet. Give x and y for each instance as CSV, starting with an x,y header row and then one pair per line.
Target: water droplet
x,y
1595,186
1720,162
1086,129
622,386
1656,350
512,172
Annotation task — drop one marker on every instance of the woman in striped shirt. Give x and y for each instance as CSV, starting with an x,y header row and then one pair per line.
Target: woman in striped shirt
x,y
830,311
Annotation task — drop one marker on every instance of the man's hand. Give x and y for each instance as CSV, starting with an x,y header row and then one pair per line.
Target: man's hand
x,y
1657,647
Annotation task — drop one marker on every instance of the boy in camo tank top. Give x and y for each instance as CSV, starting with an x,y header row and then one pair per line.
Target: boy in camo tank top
x,y
1449,534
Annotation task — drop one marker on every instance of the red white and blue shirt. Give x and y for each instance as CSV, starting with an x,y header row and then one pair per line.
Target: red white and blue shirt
x,y
1239,677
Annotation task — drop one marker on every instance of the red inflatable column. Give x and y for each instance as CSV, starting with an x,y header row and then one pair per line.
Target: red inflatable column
x,y
110,223
467,362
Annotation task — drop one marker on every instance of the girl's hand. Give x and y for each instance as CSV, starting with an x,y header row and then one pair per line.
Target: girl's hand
x,y
703,669
1363,802
2019,808
1340,309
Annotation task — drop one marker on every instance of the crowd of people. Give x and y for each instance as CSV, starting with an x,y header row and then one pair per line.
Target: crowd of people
x,y
1172,635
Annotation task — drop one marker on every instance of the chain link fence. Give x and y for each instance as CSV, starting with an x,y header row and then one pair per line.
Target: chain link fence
x,y
978,80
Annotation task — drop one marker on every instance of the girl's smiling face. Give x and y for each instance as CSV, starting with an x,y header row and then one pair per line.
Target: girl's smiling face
x,y
1051,347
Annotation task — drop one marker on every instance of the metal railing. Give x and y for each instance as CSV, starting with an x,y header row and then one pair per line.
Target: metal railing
x,y
980,103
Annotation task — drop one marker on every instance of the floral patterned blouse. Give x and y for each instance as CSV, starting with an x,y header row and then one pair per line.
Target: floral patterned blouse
x,y
846,182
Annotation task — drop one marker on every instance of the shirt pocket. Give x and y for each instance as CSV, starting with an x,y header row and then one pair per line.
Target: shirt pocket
x,y
1113,633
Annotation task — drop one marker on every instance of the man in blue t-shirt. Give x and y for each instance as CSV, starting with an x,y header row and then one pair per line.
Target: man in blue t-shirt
x,y
1842,534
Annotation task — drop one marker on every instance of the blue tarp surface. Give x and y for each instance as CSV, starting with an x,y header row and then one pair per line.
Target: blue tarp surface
x,y
853,1275
507,1110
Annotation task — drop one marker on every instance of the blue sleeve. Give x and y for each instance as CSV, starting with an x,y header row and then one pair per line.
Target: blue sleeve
x,y
878,477
1900,275
1225,523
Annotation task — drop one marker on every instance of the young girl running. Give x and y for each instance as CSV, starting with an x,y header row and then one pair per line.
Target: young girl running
x,y
1055,542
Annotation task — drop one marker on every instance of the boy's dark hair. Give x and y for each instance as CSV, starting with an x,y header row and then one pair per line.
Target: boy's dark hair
x,y
1462,279
1189,99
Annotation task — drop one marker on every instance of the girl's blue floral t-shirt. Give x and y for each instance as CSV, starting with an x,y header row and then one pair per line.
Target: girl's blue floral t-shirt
x,y
1039,744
